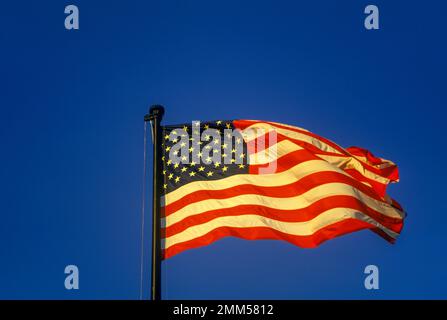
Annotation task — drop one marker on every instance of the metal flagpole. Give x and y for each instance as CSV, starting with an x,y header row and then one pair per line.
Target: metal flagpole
x,y
155,116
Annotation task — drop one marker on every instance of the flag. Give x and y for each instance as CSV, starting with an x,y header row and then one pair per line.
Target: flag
x,y
265,180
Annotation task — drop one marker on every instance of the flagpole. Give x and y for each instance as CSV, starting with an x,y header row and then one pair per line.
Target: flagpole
x,y
155,116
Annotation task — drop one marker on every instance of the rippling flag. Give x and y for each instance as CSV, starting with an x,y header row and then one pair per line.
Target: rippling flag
x,y
265,180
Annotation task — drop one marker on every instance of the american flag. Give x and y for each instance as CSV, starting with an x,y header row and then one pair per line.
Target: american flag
x,y
265,180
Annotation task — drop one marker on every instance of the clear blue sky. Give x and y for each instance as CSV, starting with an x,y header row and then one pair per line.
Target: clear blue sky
x,y
72,107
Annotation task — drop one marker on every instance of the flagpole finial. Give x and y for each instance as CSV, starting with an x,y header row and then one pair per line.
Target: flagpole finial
x,y
155,111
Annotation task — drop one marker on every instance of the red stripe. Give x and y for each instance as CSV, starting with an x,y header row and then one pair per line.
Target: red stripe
x,y
298,215
294,189
329,232
396,205
242,124
379,188
357,151
263,142
384,235
390,173
285,162
284,191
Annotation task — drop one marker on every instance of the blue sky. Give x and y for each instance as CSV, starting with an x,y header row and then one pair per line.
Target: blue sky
x,y
72,106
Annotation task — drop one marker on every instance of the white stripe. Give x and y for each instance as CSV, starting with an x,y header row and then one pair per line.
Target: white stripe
x,y
260,129
285,147
273,152
343,161
385,163
266,180
276,179
292,203
305,228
